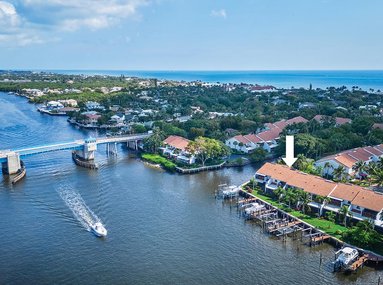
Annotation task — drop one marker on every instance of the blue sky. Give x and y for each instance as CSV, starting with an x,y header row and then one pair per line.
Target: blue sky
x,y
191,34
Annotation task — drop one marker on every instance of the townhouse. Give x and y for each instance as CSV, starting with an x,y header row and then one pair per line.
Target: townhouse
x,y
364,204
268,138
349,158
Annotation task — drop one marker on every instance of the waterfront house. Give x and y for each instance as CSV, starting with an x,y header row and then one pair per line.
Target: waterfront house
x,y
364,204
347,159
175,147
91,118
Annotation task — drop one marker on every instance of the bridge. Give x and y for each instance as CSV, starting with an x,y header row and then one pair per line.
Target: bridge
x,y
85,149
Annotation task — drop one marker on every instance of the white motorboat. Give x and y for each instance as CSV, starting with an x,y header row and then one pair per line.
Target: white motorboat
x,y
255,207
346,256
230,191
98,229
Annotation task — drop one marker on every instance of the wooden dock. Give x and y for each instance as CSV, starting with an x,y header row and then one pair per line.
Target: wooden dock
x,y
359,262
282,226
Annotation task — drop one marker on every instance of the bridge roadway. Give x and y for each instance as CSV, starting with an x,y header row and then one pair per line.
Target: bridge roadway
x,y
74,145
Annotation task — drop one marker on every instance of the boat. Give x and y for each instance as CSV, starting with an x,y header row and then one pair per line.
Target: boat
x,y
346,256
255,207
98,229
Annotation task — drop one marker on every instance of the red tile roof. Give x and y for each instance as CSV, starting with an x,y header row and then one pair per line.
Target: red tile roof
x,y
373,150
338,120
309,183
369,199
360,154
357,195
296,120
241,139
377,126
269,135
177,142
253,138
346,160
346,191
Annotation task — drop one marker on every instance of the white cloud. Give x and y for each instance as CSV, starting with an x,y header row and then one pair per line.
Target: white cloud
x,y
77,14
8,16
13,29
219,13
30,21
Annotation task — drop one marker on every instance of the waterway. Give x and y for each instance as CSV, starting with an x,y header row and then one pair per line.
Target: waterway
x,y
162,228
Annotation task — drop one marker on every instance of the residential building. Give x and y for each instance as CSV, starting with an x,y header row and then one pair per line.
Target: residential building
x,y
364,204
338,120
268,138
175,147
90,105
347,159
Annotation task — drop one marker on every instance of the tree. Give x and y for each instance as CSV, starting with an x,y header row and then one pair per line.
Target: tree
x,y
327,167
359,167
138,129
290,197
339,172
279,193
330,215
258,155
343,213
152,143
376,177
363,234
205,149
304,199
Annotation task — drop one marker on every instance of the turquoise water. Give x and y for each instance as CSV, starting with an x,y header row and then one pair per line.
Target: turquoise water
x,y
364,79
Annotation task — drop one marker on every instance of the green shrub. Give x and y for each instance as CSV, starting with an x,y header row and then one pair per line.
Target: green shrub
x,y
157,159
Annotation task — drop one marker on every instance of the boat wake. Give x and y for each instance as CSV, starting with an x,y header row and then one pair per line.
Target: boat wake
x,y
79,209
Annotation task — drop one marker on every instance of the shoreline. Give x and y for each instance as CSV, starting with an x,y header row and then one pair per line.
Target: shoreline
x,y
334,239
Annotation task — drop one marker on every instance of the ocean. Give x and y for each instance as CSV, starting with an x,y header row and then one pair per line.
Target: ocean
x,y
365,79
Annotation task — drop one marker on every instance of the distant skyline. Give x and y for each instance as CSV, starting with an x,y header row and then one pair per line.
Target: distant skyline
x,y
191,35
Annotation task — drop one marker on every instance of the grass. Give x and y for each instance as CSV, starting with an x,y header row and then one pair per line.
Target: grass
x,y
157,159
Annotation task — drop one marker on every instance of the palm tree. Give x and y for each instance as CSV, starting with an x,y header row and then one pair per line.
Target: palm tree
x,y
343,212
380,162
304,199
290,197
324,201
376,178
327,167
339,172
279,193
359,167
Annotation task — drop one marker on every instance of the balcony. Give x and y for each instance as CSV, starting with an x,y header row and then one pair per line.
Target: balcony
x,y
259,178
272,185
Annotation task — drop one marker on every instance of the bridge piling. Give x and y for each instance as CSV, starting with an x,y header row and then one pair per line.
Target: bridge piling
x,y
12,165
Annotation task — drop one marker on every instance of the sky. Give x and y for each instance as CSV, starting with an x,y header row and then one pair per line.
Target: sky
x,y
191,34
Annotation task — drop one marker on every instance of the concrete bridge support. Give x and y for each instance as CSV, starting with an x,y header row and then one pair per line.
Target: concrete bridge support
x,y
133,145
89,150
13,163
